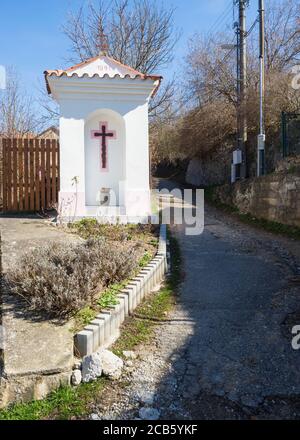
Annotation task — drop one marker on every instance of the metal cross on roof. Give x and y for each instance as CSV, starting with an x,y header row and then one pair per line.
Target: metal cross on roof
x,y
103,41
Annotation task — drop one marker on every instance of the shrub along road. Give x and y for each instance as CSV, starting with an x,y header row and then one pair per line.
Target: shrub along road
x,y
225,350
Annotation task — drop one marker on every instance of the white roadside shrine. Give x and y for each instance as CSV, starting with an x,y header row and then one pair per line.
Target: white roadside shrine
x,y
104,140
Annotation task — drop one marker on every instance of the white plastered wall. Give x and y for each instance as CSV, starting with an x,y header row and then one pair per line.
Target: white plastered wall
x,y
81,113
95,177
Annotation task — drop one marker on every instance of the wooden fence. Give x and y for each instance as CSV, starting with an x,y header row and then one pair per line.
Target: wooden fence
x,y
30,174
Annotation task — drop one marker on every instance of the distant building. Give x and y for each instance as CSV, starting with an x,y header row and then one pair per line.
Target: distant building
x,y
50,133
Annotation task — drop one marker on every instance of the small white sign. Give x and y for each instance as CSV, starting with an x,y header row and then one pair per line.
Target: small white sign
x,y
296,77
237,157
261,139
2,78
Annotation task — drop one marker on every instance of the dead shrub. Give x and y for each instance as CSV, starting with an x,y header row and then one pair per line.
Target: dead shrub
x,y
60,279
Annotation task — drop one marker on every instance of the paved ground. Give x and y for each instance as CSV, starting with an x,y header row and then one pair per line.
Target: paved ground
x,y
25,232
43,346
226,351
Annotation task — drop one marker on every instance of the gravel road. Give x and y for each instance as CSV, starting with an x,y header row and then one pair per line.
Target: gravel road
x,y
225,352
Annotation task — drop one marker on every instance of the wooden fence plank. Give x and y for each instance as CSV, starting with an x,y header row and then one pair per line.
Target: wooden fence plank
x,y
31,174
37,174
58,167
4,176
26,176
48,173
15,174
1,172
9,174
54,175
43,183
20,172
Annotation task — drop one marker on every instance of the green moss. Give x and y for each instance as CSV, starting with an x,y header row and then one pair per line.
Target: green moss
x,y
274,227
139,328
90,228
210,196
267,225
146,258
109,296
83,318
63,404
294,169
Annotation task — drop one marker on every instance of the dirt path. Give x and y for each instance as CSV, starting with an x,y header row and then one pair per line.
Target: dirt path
x,y
225,352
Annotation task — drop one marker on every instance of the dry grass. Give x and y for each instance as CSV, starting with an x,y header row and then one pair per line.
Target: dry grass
x,y
61,279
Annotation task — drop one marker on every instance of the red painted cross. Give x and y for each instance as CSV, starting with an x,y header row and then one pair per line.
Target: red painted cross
x,y
104,133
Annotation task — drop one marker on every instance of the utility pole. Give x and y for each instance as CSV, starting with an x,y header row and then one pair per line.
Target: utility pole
x,y
242,128
237,154
261,136
239,165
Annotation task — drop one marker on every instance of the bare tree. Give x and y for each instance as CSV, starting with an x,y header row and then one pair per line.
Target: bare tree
x,y
209,124
50,113
17,110
282,34
141,34
211,73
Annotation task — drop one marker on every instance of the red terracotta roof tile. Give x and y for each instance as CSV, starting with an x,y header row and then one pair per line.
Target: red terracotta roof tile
x,y
67,72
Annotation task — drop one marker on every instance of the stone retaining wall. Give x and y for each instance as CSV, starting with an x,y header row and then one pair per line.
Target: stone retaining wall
x,y
209,172
103,330
275,197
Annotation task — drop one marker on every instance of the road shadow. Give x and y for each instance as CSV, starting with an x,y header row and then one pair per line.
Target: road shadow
x,y
225,352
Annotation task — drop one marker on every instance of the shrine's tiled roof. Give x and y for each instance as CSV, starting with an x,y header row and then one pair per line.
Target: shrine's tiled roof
x,y
117,70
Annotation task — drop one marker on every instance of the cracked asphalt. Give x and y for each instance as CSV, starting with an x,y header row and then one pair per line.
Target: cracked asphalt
x,y
226,351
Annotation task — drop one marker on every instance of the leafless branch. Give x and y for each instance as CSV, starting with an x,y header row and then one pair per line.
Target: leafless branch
x,y
18,116
140,33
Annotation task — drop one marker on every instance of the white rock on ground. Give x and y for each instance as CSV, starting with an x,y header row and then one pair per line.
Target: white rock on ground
x,y
76,378
91,367
77,364
149,414
146,397
129,354
95,417
129,363
111,364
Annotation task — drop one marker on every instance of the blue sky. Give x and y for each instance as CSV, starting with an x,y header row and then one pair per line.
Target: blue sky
x,y
32,41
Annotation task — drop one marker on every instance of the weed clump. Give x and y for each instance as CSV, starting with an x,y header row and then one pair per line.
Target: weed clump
x,y
61,279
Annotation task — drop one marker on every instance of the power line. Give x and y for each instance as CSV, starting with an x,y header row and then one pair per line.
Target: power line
x,y
220,20
252,27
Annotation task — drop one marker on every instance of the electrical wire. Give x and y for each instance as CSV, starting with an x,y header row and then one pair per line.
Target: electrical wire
x,y
220,20
252,27
230,8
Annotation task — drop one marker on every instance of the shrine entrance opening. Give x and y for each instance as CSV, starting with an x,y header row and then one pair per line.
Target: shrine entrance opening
x,y
104,157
